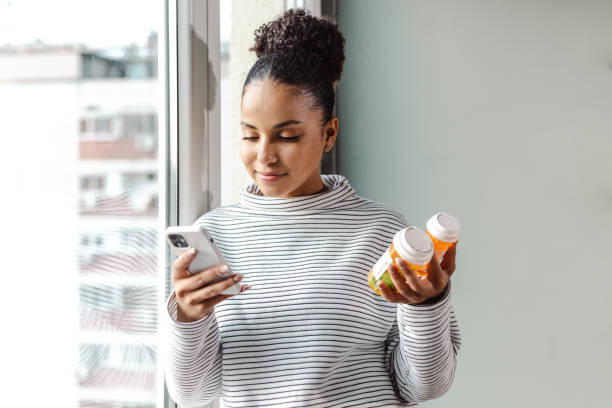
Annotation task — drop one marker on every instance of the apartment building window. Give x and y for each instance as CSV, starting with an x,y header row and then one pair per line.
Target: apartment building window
x,y
93,183
97,128
138,124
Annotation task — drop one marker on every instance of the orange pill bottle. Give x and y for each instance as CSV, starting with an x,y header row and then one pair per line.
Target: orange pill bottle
x,y
444,230
411,244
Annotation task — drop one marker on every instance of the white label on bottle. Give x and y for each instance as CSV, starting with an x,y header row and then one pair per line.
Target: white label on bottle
x,y
382,264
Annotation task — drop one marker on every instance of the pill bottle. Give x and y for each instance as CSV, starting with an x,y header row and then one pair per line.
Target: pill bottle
x,y
443,229
411,244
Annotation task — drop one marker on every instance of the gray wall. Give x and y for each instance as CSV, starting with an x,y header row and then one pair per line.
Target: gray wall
x,y
500,113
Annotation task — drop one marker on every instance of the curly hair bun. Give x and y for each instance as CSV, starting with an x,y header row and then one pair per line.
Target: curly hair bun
x,y
304,37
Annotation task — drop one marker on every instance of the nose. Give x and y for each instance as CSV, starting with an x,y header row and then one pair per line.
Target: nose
x,y
266,153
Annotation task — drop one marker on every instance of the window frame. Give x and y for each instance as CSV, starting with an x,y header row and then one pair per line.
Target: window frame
x,y
189,60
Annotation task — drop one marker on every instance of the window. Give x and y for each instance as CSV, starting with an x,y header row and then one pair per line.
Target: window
x,y
137,124
92,183
97,128
79,96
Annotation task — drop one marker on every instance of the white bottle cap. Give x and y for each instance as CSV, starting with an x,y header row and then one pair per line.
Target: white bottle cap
x,y
444,227
413,245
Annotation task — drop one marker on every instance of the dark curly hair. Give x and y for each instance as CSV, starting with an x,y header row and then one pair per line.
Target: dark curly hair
x,y
303,51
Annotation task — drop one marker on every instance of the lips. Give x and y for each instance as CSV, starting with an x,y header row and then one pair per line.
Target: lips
x,y
263,173
270,176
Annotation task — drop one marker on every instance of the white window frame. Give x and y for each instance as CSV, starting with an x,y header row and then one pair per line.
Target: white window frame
x,y
189,72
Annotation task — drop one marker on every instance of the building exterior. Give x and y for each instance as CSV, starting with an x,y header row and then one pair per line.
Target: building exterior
x,y
106,101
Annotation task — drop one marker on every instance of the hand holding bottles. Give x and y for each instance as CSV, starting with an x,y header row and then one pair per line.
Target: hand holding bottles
x,y
411,288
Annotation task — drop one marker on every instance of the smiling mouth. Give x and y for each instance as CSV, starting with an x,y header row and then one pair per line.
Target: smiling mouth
x,y
270,176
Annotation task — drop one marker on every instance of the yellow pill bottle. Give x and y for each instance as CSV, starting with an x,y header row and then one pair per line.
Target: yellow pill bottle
x,y
443,230
411,244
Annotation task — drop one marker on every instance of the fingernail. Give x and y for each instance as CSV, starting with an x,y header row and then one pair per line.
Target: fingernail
x,y
225,268
237,277
192,252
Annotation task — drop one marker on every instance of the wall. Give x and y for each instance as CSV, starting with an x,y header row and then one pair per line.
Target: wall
x,y
498,112
20,65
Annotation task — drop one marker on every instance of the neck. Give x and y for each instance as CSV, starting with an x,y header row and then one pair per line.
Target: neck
x,y
322,190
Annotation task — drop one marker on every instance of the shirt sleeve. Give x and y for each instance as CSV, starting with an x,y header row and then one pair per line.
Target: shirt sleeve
x,y
192,361
421,349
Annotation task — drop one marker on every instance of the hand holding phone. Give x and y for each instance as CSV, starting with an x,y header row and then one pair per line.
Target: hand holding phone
x,y
199,277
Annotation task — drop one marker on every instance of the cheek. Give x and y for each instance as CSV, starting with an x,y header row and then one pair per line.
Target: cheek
x,y
297,156
311,154
246,154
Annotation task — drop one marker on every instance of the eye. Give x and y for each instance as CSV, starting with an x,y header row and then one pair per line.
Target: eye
x,y
281,138
288,139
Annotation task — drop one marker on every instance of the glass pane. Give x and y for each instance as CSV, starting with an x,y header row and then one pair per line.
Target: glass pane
x,y
87,79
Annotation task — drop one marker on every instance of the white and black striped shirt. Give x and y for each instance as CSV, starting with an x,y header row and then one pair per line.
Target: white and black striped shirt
x,y
310,332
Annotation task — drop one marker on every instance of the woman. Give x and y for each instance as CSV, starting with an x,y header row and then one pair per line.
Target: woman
x,y
309,331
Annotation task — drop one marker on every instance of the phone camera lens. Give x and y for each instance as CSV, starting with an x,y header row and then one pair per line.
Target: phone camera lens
x,y
178,240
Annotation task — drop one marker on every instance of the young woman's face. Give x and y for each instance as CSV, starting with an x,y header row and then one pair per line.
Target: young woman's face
x,y
282,140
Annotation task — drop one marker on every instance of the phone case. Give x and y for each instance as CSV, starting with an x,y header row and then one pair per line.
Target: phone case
x,y
208,253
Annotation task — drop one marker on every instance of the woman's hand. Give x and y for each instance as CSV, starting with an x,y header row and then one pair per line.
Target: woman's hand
x,y
193,300
417,290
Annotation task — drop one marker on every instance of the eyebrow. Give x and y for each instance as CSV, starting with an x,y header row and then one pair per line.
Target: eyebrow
x,y
277,126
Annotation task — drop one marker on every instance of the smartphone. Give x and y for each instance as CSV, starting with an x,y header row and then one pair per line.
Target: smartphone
x,y
181,238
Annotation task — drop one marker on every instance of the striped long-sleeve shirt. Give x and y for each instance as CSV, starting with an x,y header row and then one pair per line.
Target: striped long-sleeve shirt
x,y
310,332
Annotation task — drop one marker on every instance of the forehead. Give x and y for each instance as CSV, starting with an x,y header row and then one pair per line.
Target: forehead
x,y
269,100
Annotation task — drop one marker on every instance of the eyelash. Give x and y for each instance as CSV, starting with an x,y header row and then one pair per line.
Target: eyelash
x,y
281,138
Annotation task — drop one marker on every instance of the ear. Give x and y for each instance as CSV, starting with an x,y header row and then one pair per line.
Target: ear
x,y
331,131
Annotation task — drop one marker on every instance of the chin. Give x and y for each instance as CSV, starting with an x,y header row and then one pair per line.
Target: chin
x,y
274,188
273,191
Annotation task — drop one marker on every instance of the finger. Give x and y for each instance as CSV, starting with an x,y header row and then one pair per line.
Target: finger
x,y
417,284
448,262
400,283
179,268
388,294
421,286
210,291
435,274
210,303
204,277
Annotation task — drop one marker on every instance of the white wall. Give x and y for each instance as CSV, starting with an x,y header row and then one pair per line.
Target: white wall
x,y
499,112
138,95
44,65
